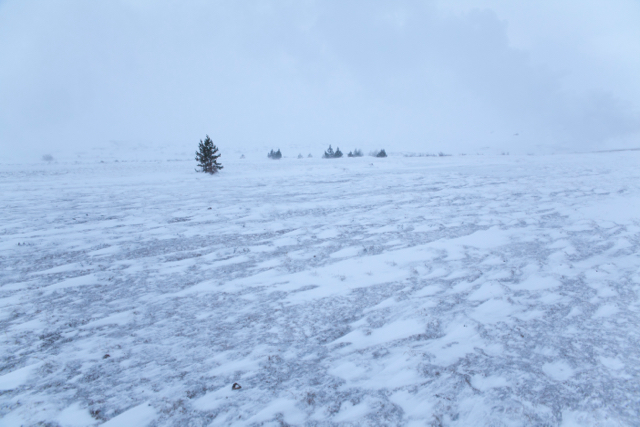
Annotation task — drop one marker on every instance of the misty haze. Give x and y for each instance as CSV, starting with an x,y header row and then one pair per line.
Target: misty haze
x,y
278,213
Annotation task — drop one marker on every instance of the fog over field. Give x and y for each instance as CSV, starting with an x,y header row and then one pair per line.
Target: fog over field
x,y
430,76
484,272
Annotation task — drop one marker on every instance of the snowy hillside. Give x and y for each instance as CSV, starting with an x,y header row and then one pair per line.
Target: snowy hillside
x,y
457,291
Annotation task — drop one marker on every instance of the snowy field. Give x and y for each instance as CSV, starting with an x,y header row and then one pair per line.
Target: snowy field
x,y
455,291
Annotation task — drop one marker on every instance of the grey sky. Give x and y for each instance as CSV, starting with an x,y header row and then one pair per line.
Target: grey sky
x,y
404,75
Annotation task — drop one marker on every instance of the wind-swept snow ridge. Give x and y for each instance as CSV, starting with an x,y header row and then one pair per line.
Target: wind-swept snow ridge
x,y
462,291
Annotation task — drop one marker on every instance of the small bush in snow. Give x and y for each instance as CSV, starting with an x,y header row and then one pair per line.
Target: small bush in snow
x,y
207,158
275,155
300,155
330,154
47,158
356,153
380,153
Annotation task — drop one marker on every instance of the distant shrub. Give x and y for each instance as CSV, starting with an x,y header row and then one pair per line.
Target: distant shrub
x,y
207,158
309,156
275,155
300,156
330,154
47,158
356,153
242,156
380,153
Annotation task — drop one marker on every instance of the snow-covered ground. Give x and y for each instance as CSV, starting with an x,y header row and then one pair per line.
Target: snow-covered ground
x,y
475,290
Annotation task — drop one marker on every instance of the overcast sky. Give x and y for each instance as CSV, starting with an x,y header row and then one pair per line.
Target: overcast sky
x,y
421,76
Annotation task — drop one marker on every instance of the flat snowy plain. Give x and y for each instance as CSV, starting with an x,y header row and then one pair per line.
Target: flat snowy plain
x,y
457,291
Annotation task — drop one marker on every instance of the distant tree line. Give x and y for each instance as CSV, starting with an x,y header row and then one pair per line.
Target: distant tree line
x,y
330,153
208,154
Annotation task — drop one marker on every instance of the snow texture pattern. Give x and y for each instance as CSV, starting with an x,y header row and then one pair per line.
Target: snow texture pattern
x,y
456,291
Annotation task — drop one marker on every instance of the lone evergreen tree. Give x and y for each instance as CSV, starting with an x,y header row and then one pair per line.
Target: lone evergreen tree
x,y
207,158
381,153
